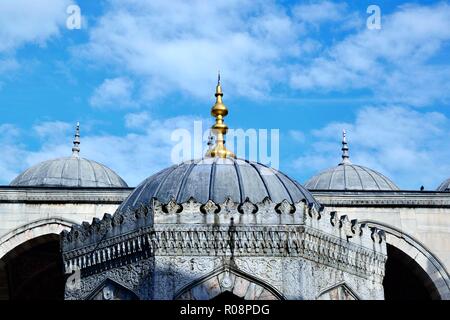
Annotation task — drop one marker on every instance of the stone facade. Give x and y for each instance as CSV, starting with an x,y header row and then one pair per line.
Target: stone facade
x,y
22,208
196,251
29,215
416,223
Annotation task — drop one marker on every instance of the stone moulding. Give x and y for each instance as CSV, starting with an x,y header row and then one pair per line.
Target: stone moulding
x,y
10,194
390,199
226,229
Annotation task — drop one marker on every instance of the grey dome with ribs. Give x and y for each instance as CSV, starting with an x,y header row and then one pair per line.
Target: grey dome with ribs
x,y
350,177
444,186
217,179
70,172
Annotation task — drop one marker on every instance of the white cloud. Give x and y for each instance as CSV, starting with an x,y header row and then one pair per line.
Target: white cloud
x,y
137,120
12,151
297,135
116,93
51,129
9,132
394,62
134,156
8,64
260,46
410,147
182,49
23,21
321,11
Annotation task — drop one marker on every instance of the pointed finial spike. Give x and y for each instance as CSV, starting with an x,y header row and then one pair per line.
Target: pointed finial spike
x,y
219,129
345,156
76,142
210,141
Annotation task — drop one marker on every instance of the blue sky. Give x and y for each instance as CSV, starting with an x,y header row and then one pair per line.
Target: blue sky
x,y
137,70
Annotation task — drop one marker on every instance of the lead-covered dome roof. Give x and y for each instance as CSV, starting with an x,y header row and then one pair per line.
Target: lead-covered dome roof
x,y
444,186
218,179
348,176
71,171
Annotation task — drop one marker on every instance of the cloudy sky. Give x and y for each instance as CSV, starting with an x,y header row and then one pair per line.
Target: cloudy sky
x,y
138,70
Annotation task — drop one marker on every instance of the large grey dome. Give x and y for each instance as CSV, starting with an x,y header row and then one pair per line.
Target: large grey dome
x,y
69,172
348,176
217,179
444,186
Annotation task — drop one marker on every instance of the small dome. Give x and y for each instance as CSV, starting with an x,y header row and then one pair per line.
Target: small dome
x,y
217,179
70,172
444,186
348,176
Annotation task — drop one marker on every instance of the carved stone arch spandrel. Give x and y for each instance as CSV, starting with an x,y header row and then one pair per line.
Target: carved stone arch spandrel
x,y
112,290
228,279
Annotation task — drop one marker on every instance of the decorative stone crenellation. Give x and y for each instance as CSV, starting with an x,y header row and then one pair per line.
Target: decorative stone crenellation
x,y
272,230
238,234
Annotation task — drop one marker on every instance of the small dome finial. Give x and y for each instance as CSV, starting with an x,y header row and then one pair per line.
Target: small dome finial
x,y
76,142
219,129
345,156
210,141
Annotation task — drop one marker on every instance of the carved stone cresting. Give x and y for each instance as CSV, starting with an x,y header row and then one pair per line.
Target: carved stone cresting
x,y
191,205
247,207
334,219
259,231
172,207
285,207
229,206
346,226
210,207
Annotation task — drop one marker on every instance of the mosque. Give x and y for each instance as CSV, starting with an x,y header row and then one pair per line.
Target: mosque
x,y
219,228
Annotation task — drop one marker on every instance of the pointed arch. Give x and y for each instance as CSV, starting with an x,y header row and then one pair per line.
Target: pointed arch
x,y
24,242
424,263
112,290
231,279
338,291
32,230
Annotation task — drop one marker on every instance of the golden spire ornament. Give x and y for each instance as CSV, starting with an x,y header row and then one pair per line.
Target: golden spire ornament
x,y
219,111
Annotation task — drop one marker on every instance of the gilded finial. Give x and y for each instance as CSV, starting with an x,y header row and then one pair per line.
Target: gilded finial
x,y
345,156
219,111
76,142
